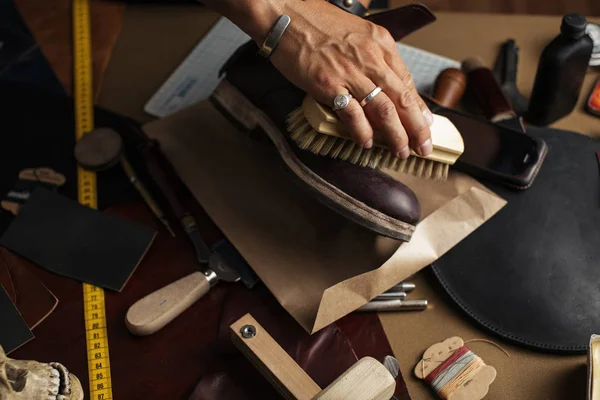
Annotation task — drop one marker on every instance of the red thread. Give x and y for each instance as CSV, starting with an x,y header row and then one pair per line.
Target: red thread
x,y
449,361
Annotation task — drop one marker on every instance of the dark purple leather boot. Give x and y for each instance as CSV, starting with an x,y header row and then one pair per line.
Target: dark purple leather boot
x,y
255,95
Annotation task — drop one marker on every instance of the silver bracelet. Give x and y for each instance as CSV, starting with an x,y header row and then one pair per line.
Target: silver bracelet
x,y
274,36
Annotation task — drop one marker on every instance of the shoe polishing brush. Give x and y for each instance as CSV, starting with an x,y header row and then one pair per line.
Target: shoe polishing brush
x,y
318,129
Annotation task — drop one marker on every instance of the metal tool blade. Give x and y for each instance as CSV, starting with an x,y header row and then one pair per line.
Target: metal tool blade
x,y
191,228
235,261
221,269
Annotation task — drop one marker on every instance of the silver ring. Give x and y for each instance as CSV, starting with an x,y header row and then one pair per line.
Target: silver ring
x,y
341,101
274,36
370,96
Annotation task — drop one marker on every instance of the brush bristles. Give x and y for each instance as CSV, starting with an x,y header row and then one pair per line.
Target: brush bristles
x,y
309,139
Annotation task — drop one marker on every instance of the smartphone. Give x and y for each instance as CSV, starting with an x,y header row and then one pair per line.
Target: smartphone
x,y
494,152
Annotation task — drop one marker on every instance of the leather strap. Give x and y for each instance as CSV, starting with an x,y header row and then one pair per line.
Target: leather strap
x,y
352,6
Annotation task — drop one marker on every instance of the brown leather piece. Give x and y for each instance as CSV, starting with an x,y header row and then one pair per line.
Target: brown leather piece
x,y
33,300
324,355
51,25
402,21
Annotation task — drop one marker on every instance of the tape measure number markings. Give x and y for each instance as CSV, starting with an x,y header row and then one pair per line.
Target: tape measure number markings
x,y
93,296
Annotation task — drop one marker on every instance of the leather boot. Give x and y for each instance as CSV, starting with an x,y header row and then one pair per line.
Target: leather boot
x,y
255,95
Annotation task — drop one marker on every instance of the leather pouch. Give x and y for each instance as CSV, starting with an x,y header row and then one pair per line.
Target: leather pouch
x,y
493,152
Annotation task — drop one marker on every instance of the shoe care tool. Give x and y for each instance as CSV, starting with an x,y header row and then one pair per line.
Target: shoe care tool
x,y
488,94
505,72
152,155
593,31
593,103
561,70
454,372
449,87
29,179
367,379
154,311
394,305
96,333
318,129
102,149
593,366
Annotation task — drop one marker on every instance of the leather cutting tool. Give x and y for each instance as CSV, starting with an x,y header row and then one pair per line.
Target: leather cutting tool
x,y
153,312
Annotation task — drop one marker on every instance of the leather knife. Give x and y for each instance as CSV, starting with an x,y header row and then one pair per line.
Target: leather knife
x,y
153,312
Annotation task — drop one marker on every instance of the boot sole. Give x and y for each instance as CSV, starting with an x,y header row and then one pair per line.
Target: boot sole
x,y
237,107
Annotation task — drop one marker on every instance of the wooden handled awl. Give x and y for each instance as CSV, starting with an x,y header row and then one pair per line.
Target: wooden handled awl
x,y
157,309
368,379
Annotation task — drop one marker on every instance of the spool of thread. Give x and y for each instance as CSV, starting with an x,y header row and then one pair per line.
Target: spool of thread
x,y
453,371
450,375
487,91
449,87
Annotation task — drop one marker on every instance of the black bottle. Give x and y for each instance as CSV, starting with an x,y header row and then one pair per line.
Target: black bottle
x,y
560,73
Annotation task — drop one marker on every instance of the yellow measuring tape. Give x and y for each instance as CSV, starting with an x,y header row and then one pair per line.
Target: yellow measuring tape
x,y
93,296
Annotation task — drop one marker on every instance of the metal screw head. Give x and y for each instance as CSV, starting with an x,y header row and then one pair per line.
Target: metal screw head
x,y
348,3
248,331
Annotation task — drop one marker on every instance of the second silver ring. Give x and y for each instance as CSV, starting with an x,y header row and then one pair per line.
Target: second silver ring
x,y
370,96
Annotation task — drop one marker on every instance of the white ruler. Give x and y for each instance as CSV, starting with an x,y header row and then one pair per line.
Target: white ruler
x,y
196,78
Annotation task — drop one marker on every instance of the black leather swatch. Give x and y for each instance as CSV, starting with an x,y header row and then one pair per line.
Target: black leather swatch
x,y
13,329
532,273
69,239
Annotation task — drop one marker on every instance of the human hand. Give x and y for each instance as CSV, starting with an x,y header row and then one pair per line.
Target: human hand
x,y
326,52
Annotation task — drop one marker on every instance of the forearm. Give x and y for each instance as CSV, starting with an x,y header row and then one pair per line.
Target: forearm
x,y
256,17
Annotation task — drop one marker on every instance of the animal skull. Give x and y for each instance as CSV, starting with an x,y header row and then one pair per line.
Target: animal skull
x,y
32,380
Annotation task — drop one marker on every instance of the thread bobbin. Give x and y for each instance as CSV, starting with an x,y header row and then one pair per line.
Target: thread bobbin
x,y
455,372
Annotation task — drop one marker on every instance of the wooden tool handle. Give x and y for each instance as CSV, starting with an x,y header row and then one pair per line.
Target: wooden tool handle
x,y
272,361
156,310
368,379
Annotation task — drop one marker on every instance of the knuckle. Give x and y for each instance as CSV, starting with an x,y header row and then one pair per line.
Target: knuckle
x,y
323,79
386,110
353,113
420,132
407,97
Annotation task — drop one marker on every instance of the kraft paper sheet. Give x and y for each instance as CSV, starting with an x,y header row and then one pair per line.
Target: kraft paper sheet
x,y
318,265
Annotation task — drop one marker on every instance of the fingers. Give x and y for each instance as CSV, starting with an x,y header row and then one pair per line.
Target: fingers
x,y
356,121
414,114
383,116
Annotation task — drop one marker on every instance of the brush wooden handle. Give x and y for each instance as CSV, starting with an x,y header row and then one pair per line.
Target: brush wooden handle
x,y
447,142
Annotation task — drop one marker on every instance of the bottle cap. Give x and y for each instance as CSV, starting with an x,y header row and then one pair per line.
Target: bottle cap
x,y
573,25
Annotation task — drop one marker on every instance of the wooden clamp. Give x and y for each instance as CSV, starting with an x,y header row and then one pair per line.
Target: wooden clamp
x,y
368,379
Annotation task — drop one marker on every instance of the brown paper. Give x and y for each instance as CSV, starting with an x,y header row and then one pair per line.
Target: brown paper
x,y
318,265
